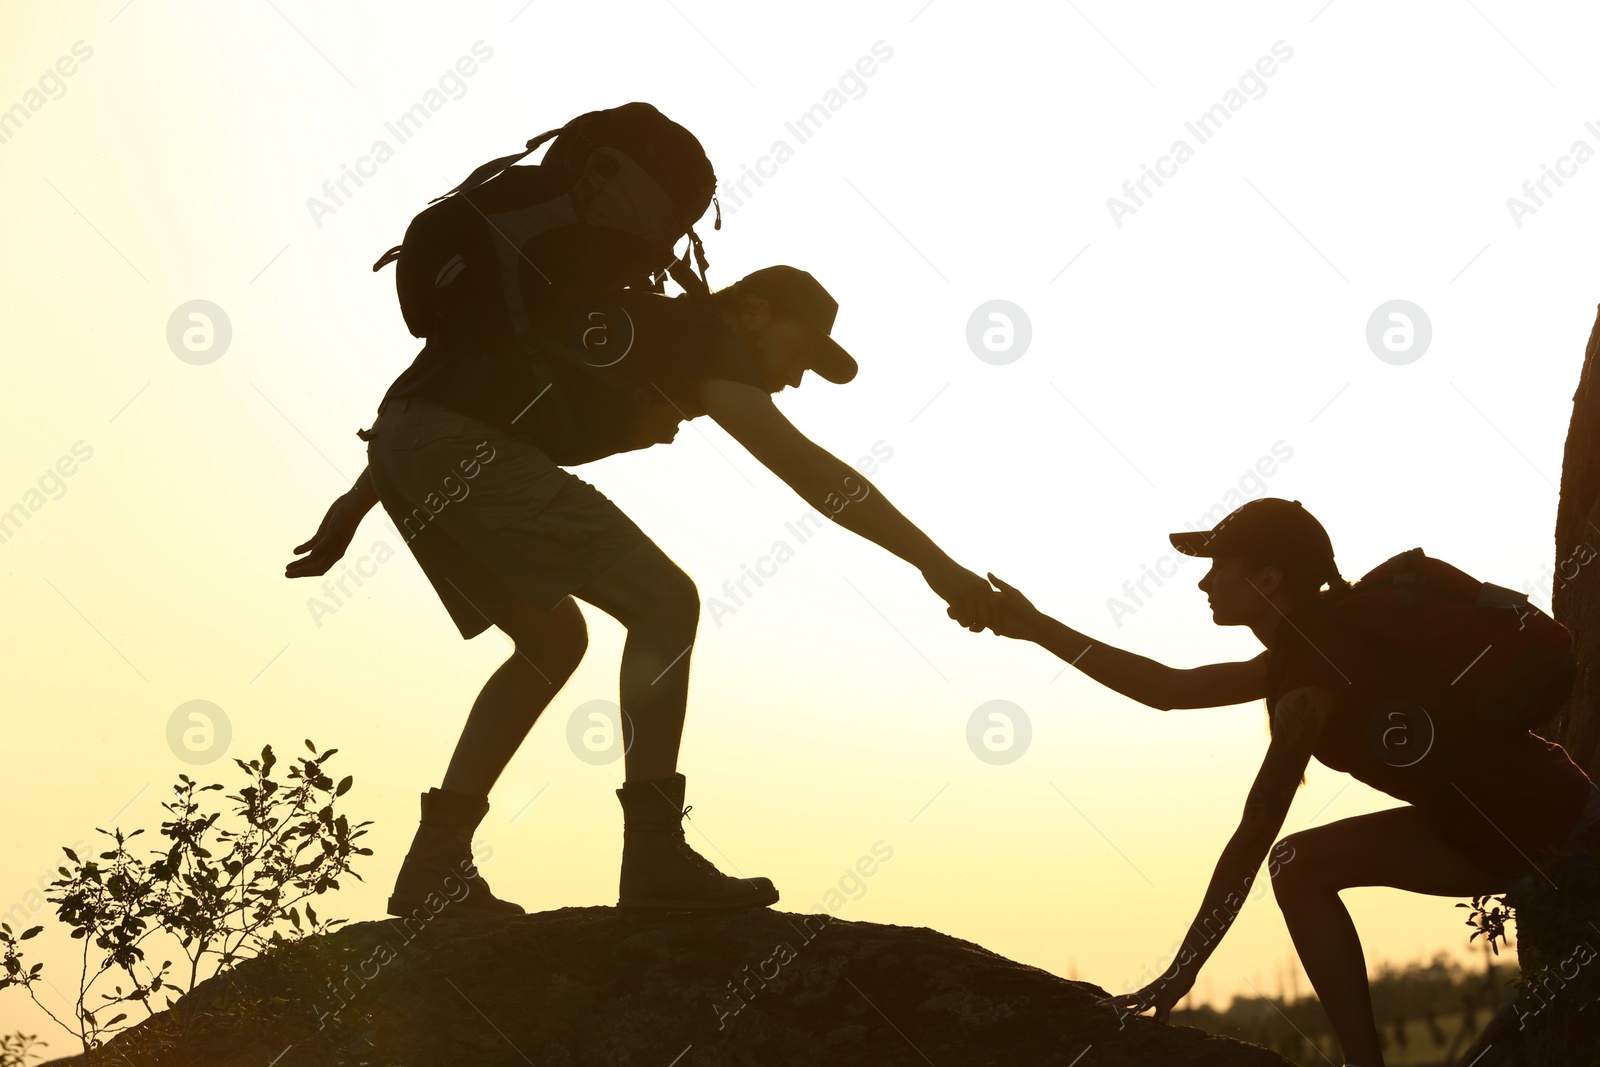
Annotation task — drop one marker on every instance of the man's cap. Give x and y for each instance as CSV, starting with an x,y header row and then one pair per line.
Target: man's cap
x,y
797,292
1269,528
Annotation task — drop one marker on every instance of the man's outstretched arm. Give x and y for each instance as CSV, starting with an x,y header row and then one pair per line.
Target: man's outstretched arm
x,y
338,527
842,493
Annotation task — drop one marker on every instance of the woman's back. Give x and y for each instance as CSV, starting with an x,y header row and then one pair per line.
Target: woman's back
x,y
1502,794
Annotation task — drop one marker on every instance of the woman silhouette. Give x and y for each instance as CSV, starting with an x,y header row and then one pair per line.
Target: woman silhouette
x,y
1482,804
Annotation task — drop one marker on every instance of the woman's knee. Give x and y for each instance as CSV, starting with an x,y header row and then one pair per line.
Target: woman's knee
x,y
1294,867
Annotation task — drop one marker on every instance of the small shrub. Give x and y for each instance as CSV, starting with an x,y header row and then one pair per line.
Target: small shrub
x,y
224,894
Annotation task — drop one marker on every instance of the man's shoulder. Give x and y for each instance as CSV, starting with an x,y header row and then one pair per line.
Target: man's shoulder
x,y
679,305
684,338
661,322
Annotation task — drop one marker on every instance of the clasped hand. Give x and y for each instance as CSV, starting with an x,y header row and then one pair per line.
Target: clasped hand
x,y
978,606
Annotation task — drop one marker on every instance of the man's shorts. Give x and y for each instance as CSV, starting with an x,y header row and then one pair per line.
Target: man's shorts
x,y
490,518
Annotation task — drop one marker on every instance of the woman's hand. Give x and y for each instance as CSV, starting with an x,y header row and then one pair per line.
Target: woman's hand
x,y
1161,994
1016,617
327,545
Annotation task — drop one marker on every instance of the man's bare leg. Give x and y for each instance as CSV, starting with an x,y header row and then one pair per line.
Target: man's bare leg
x,y
549,646
439,863
658,603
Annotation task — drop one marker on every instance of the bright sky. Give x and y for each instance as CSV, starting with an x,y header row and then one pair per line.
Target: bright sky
x,y
1357,154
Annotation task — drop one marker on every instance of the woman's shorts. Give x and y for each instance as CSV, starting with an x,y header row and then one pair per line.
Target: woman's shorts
x,y
1585,835
1583,840
490,518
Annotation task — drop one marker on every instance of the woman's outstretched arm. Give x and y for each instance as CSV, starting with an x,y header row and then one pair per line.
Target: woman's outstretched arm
x,y
1157,685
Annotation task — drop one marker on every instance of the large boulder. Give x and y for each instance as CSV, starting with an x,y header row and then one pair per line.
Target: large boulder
x,y
1576,598
582,986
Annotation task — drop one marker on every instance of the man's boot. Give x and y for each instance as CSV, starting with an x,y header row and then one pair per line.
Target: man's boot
x,y
438,878
660,871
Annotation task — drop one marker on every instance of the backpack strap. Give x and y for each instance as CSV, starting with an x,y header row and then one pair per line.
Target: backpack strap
x,y
684,274
492,169
387,258
495,167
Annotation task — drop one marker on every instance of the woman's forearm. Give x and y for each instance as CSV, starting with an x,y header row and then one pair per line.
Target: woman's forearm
x,y
1132,675
1226,895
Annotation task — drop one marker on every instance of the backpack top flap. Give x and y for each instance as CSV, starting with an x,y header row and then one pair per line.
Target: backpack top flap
x,y
671,155
616,192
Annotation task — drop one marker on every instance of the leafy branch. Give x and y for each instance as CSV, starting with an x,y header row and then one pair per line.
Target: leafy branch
x,y
224,893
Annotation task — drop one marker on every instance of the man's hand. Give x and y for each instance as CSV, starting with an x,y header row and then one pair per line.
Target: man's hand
x,y
331,539
971,601
1015,615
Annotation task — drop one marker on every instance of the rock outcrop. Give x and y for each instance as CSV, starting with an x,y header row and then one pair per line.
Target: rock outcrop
x,y
1576,581
582,986
1553,1023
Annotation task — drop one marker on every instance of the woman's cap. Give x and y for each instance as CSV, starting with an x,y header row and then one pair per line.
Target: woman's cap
x,y
1268,528
803,296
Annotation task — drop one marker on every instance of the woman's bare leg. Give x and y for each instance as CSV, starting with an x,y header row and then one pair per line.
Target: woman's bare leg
x,y
1399,848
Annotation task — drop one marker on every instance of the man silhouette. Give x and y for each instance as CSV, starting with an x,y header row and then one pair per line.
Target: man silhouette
x,y
467,456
